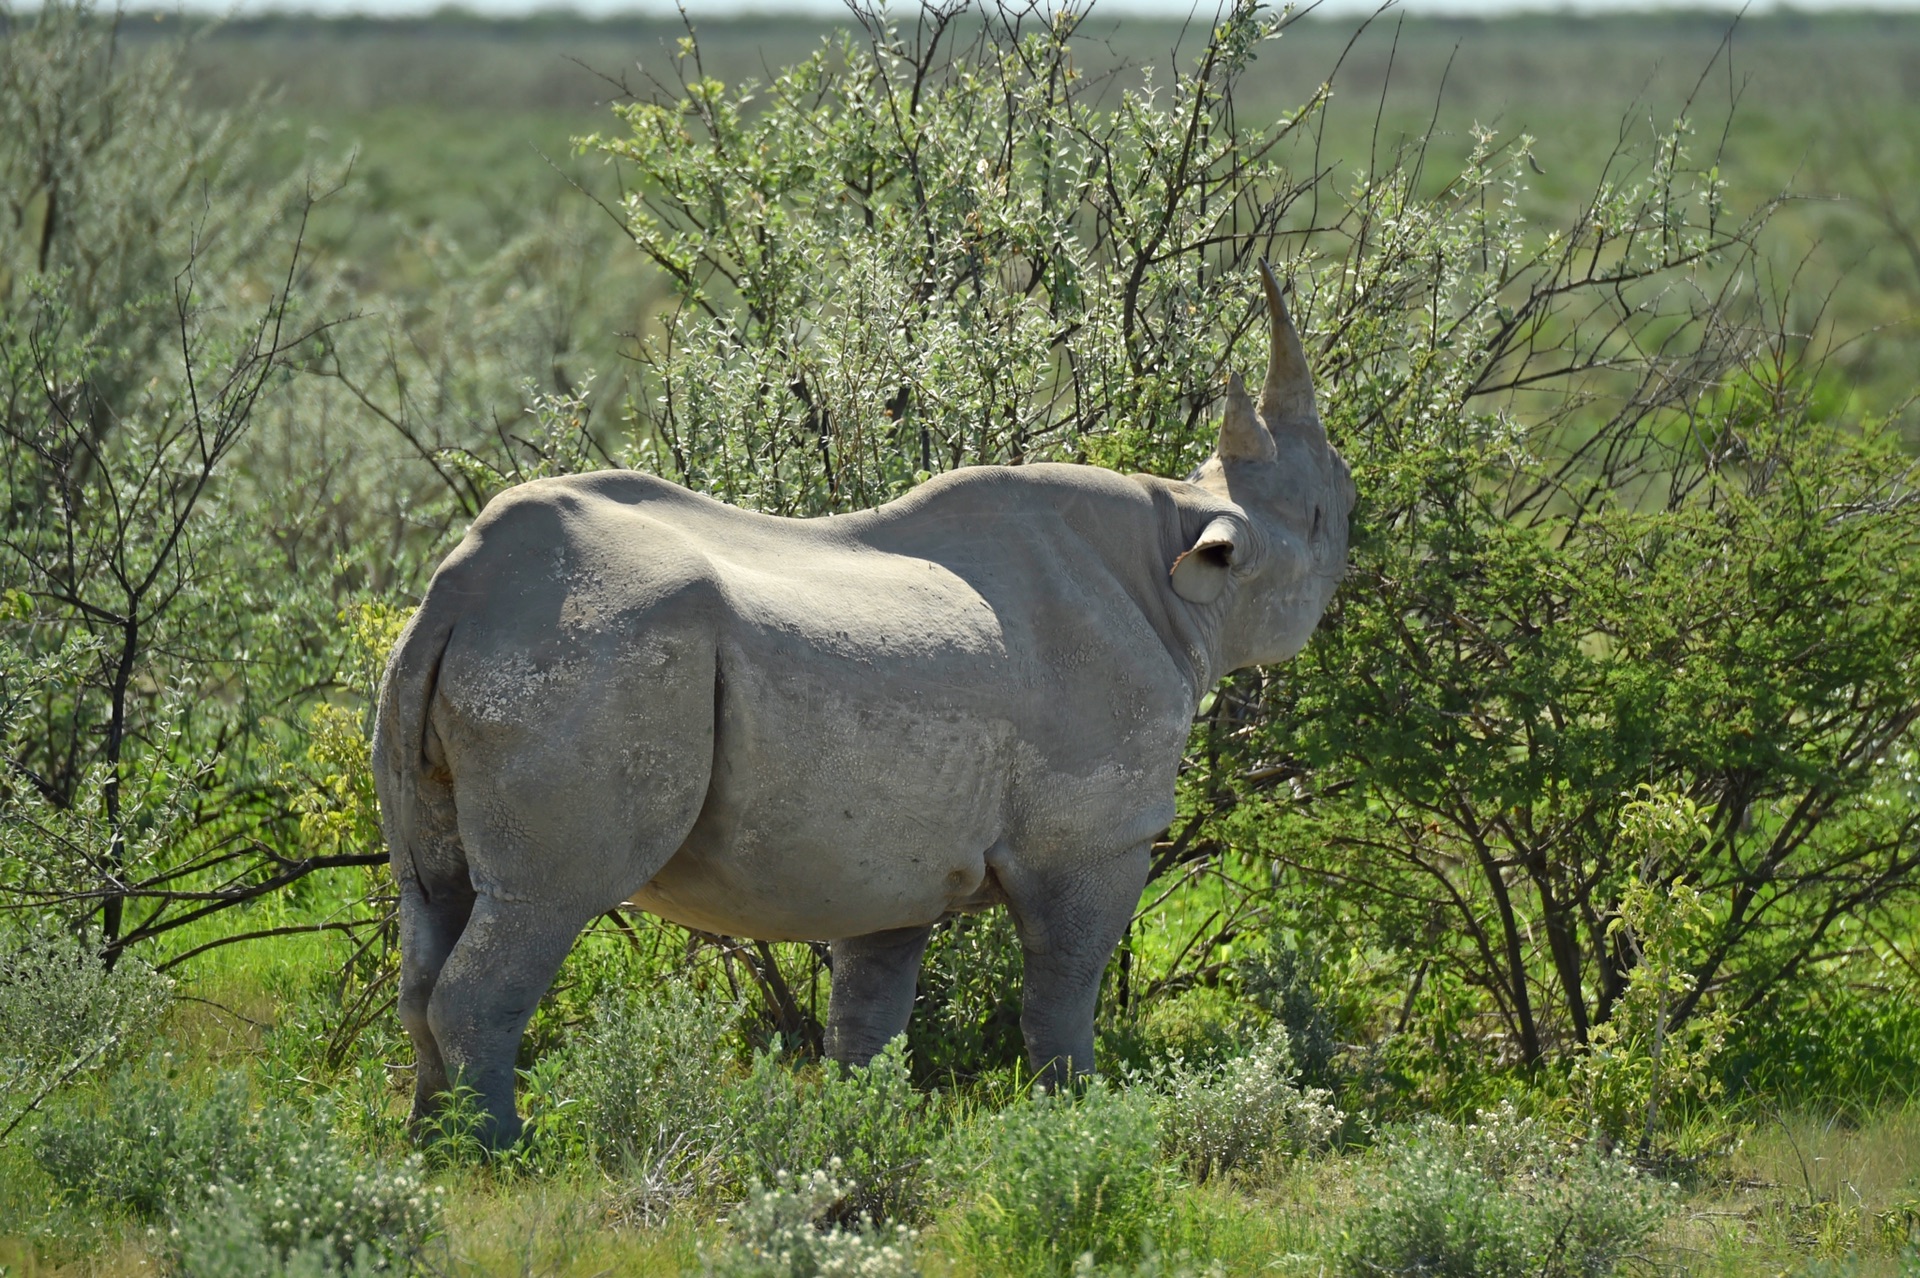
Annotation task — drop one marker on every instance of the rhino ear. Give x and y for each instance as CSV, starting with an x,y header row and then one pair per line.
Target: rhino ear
x,y
1202,570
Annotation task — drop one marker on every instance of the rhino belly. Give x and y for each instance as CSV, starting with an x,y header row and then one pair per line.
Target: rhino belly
x,y
839,806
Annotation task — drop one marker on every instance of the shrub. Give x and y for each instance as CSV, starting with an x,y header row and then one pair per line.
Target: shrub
x,y
1054,1177
1239,1111
650,1079
237,1180
1638,1059
1285,980
776,1233
963,1024
1199,1025
146,319
1502,1199
854,344
145,1144
62,1013
315,1195
225,1241
867,1121
1846,1041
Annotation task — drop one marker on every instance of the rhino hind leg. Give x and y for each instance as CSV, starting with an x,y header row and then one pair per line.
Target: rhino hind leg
x,y
874,978
528,908
564,813
431,922
1069,921
506,958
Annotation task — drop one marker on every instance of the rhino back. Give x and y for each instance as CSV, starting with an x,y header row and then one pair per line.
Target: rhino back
x,y
890,696
953,677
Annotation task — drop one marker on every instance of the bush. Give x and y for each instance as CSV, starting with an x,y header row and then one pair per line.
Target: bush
x,y
1638,1061
1285,980
315,1196
62,1014
868,1121
1239,1111
1200,1025
1846,1042
650,1078
236,1180
1502,1199
225,1241
1052,1178
146,1145
777,1233
963,1024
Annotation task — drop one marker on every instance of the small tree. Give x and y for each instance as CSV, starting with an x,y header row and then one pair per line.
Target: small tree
x,y
1617,528
951,244
132,365
1637,1061
917,250
1711,594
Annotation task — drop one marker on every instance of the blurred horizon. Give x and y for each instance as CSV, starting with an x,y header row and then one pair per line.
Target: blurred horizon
x,y
1160,10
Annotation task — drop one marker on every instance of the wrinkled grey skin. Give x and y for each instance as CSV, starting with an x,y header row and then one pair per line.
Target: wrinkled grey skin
x,y
846,728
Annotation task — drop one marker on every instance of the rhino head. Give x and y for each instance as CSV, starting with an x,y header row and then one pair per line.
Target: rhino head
x,y
1265,567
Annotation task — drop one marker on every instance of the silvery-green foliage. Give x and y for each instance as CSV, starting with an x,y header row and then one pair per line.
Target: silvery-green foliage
x,y
1054,1176
64,1013
146,1141
777,1233
867,1121
225,1241
1241,1110
316,1193
933,246
650,1078
1507,1197
146,312
98,150
150,1146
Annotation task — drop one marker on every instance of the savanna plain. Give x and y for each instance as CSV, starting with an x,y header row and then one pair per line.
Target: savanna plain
x,y
1556,912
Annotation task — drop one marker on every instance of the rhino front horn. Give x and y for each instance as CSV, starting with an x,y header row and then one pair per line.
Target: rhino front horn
x,y
1286,401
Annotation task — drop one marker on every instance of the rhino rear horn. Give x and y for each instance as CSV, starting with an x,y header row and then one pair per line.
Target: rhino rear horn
x,y
1286,401
1242,437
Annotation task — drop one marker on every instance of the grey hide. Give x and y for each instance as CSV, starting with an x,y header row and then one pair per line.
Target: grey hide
x,y
845,728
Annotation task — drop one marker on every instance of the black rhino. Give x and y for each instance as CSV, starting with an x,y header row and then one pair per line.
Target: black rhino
x,y
843,728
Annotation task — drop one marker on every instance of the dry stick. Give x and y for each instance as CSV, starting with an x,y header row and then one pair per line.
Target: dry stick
x,y
295,929
73,1069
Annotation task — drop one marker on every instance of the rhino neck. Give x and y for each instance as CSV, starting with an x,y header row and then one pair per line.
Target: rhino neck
x,y
1057,527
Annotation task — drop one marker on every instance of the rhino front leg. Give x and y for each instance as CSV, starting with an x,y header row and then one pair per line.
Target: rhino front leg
x,y
1069,920
874,977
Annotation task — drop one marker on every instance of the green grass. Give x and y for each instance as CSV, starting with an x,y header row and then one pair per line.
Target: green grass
x,y
1799,1189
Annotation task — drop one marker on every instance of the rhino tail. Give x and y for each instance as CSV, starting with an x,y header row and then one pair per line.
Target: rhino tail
x,y
410,771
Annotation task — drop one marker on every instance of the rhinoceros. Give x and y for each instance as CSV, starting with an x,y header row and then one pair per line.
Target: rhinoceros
x,y
844,728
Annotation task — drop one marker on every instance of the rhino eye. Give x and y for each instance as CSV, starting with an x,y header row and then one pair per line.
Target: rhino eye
x,y
1316,523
